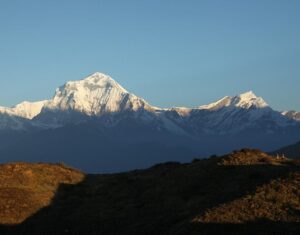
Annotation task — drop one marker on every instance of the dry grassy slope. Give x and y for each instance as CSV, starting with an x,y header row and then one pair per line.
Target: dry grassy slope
x,y
277,200
26,188
227,195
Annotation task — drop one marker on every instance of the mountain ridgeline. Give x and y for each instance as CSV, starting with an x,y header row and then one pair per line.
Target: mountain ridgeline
x,y
98,126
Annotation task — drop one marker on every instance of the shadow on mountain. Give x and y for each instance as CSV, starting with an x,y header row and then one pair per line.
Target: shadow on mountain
x,y
164,199
126,146
119,142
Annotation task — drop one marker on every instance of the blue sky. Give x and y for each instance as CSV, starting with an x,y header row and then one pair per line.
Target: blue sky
x,y
170,52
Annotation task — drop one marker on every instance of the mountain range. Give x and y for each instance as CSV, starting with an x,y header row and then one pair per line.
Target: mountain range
x,y
96,125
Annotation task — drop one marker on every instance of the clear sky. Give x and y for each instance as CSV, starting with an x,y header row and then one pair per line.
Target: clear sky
x,y
170,52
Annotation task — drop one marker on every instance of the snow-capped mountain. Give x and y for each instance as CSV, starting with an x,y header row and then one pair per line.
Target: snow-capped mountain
x,y
292,114
95,95
231,115
246,100
98,94
25,109
18,117
96,116
28,110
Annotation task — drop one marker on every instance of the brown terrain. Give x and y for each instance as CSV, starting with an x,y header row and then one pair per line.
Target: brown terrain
x,y
246,192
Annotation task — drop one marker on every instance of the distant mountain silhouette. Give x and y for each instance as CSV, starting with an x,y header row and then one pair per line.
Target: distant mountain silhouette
x,y
246,192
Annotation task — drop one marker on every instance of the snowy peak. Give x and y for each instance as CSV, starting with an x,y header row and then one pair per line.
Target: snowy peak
x,y
26,109
292,114
95,95
249,100
245,100
29,110
100,80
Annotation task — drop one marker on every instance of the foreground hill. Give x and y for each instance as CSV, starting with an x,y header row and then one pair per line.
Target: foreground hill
x,y
26,188
246,192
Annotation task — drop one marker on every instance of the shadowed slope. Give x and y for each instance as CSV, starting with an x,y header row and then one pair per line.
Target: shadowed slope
x,y
291,150
247,192
26,188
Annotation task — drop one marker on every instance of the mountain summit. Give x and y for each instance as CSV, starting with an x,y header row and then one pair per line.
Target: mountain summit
x,y
95,95
245,101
